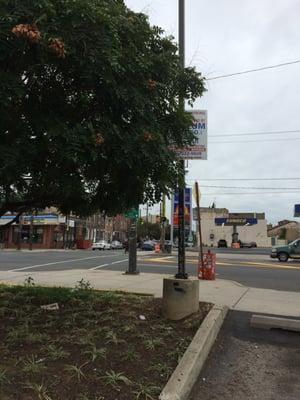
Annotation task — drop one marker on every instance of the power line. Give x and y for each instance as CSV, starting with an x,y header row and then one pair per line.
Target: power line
x,y
246,179
254,141
243,193
253,70
256,133
250,187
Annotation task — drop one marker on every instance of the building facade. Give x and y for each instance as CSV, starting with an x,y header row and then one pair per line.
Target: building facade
x,y
285,231
50,230
219,223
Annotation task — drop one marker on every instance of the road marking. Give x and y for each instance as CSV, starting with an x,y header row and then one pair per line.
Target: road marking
x,y
57,262
233,264
99,266
106,265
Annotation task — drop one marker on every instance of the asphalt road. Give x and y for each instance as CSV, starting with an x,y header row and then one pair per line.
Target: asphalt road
x,y
250,364
254,270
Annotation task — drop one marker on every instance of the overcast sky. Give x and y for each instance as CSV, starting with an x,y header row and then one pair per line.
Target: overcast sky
x,y
231,36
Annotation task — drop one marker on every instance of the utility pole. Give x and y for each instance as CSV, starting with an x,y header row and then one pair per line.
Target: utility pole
x,y
163,223
31,232
132,238
181,223
199,222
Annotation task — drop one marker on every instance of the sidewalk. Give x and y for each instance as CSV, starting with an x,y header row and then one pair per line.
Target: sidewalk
x,y
220,291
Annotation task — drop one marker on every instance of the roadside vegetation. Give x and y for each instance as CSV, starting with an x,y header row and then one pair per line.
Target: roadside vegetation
x,y
95,346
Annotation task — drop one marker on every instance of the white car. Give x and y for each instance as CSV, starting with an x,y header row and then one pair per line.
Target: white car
x,y
101,245
116,245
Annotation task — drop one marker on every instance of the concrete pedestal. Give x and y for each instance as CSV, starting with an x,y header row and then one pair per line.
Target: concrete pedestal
x,y
180,298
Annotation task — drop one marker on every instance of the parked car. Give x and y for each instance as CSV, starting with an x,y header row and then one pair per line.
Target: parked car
x,y
283,253
222,243
101,245
116,245
248,244
148,245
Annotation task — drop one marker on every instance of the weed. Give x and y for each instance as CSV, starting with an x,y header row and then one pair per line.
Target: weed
x,y
86,339
76,371
3,377
151,344
56,353
40,390
177,354
15,336
4,311
114,379
83,285
130,355
33,366
29,281
161,369
166,330
96,353
87,397
146,392
129,328
110,298
112,338
37,337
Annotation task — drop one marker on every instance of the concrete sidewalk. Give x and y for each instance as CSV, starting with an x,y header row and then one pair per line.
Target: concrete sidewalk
x,y
220,291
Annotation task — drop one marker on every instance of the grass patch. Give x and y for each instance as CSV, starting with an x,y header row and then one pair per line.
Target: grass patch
x,y
94,347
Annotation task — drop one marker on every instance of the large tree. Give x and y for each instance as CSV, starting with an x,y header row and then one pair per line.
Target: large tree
x,y
88,106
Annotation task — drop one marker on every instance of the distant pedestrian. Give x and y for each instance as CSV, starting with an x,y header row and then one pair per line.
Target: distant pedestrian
x,y
126,246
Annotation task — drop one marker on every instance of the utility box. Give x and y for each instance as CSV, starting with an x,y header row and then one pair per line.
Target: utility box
x,y
180,298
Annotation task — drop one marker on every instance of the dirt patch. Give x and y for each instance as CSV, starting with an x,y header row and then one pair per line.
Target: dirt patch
x,y
247,363
96,346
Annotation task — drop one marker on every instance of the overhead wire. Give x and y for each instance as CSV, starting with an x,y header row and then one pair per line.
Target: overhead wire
x,y
250,193
253,141
255,133
245,179
248,71
250,187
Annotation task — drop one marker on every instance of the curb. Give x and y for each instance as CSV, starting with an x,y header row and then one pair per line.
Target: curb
x,y
187,371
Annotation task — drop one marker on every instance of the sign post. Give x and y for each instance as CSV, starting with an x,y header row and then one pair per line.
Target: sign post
x,y
132,214
199,221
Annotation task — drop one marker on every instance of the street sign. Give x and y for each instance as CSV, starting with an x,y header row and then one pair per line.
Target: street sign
x,y
297,211
132,213
198,151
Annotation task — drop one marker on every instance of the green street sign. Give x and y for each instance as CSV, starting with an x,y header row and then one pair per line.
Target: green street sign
x,y
132,213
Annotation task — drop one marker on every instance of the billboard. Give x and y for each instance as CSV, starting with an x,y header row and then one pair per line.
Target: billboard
x,y
187,208
198,151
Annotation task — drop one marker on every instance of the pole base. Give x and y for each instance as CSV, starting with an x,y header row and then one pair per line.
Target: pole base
x,y
131,272
181,276
180,298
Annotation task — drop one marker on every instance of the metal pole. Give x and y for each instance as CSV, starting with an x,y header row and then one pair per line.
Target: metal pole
x,y
181,225
172,222
31,232
199,222
132,238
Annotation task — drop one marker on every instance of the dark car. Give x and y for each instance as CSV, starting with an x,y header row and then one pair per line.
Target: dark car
x,y
248,244
222,243
148,245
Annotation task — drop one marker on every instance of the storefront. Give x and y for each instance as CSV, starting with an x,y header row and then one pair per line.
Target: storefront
x,y
43,231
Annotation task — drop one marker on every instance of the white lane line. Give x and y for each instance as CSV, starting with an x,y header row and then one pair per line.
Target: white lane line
x,y
57,262
99,266
106,265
